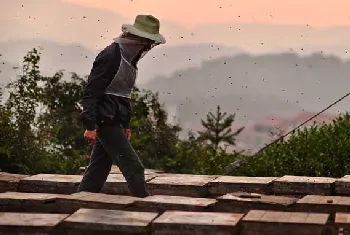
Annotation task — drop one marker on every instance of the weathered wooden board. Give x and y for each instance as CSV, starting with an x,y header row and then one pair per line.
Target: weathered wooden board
x,y
116,170
116,184
272,222
244,202
9,182
29,223
302,185
161,203
28,202
342,186
96,221
229,184
50,183
196,223
323,204
342,223
72,203
180,185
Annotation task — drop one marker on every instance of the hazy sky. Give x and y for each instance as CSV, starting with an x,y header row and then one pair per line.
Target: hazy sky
x,y
256,26
192,12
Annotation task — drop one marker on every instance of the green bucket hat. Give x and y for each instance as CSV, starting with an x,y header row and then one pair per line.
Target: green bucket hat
x,y
145,26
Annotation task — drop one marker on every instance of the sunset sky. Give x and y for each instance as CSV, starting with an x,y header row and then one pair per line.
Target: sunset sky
x,y
191,12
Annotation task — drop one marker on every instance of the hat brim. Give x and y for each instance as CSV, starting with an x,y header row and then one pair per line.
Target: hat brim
x,y
128,28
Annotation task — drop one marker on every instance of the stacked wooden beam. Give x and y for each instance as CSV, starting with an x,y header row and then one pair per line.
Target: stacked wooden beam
x,y
180,204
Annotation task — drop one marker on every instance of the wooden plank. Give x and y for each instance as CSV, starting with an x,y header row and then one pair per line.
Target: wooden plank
x,y
180,185
72,203
9,182
29,223
116,184
116,170
161,203
229,184
302,185
244,202
196,223
342,185
323,204
342,223
104,221
272,222
28,202
50,183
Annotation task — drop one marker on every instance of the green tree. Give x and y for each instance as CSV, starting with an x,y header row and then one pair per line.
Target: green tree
x,y
218,130
42,133
39,122
205,154
190,158
152,137
24,154
59,125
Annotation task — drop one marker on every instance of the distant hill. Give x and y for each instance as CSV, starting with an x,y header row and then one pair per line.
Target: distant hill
x,y
256,86
55,56
162,61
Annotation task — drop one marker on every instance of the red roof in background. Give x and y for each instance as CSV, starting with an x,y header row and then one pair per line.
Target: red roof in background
x,y
271,121
302,117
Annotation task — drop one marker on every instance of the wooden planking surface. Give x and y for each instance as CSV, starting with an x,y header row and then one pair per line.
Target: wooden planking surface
x,y
118,221
29,223
116,184
230,184
28,202
161,203
342,223
116,170
180,185
72,203
196,223
323,204
302,185
9,182
244,202
50,183
342,185
273,222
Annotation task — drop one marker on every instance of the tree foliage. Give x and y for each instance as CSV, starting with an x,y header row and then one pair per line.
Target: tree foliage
x,y
40,132
319,150
218,130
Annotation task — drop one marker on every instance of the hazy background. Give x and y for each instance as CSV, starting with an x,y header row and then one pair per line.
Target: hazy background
x,y
263,60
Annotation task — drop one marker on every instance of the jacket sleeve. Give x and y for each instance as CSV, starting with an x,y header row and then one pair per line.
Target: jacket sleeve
x,y
100,76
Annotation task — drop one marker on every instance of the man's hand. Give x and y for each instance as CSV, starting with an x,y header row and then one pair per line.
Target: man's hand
x,y
90,136
128,133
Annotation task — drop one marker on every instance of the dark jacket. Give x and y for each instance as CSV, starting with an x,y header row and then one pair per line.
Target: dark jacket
x,y
98,106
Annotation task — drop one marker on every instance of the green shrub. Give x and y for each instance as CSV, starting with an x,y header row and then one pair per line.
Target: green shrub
x,y
319,150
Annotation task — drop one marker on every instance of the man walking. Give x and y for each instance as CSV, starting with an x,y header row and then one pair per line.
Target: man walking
x,y
107,106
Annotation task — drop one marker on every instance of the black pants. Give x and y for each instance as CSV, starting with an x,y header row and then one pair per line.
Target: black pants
x,y
113,145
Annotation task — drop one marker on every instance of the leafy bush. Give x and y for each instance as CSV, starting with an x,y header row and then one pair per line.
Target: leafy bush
x,y
319,150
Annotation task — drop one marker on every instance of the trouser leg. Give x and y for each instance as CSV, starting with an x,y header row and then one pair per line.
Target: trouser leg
x,y
97,171
117,146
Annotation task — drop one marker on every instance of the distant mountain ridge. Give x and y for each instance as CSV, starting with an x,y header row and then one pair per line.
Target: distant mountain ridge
x,y
162,61
256,86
